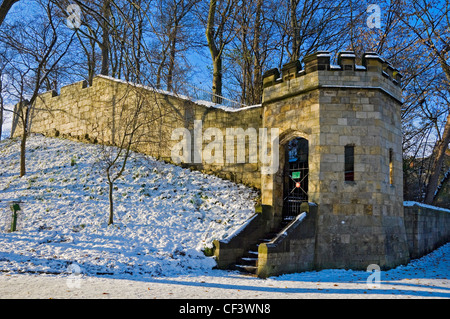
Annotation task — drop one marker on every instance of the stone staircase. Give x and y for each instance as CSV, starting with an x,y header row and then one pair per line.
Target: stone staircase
x,y
248,263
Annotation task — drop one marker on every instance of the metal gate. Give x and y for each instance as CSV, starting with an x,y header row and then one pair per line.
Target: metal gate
x,y
295,177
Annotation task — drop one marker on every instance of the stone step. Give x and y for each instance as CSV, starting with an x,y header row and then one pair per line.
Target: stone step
x,y
247,268
248,263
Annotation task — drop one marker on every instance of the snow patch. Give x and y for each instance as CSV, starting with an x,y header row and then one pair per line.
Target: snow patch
x,y
412,203
239,230
165,215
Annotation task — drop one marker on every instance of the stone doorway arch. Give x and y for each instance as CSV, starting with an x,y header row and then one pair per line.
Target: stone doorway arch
x,y
273,185
295,176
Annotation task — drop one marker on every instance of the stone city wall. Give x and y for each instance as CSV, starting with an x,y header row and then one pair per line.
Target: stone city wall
x,y
427,228
103,112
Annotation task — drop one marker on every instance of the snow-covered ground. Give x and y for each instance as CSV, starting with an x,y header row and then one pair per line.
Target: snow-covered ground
x,y
165,216
422,278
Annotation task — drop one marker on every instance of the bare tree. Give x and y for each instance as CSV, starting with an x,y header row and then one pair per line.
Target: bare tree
x,y
413,36
97,23
37,53
306,26
220,32
114,159
137,119
431,28
251,49
171,37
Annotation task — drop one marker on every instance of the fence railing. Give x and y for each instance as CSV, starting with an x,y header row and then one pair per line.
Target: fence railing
x,y
197,93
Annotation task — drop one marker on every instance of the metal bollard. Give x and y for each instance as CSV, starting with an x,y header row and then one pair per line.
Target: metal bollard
x,y
15,208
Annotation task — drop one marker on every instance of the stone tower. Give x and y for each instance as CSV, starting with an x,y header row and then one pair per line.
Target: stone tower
x,y
349,115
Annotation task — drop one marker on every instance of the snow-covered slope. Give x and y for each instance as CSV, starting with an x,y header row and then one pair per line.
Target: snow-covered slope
x,y
164,215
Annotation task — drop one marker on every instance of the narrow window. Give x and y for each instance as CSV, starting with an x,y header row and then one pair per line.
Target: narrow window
x,y
391,166
349,163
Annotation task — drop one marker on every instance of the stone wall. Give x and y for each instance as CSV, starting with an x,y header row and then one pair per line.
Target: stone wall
x,y
427,228
293,250
227,251
102,113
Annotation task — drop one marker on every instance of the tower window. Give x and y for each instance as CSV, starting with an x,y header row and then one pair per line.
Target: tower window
x,y
391,166
349,163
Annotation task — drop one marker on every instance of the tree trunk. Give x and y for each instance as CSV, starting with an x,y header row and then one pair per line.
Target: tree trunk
x,y
245,56
23,142
295,31
215,53
439,154
111,203
173,44
257,64
1,118
1,107
159,72
442,145
25,123
217,80
138,49
5,7
106,13
91,72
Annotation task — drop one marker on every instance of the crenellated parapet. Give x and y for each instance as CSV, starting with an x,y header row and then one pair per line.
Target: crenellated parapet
x,y
318,71
67,90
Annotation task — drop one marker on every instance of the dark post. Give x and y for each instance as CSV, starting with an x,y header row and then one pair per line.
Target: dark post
x,y
15,208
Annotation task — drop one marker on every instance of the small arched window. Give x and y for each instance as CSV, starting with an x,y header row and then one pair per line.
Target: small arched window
x,y
349,163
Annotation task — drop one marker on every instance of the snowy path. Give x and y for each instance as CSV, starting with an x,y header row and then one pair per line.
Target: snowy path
x,y
423,278
43,286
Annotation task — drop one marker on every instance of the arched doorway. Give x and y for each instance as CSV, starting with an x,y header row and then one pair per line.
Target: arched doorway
x,y
295,176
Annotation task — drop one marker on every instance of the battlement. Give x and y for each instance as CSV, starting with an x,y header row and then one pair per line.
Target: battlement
x,y
319,72
65,90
